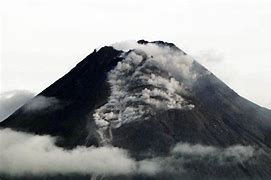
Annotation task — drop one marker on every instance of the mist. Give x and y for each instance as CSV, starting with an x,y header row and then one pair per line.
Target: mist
x,y
41,102
12,100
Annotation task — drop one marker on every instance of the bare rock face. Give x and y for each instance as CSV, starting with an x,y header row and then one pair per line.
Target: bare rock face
x,y
155,101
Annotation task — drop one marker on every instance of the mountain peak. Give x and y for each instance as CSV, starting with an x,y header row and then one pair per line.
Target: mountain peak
x,y
162,43
152,77
153,100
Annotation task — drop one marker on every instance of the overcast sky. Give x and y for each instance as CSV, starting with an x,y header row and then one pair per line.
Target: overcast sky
x,y
41,40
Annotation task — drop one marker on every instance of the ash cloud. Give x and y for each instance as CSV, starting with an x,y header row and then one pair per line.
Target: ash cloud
x,y
12,100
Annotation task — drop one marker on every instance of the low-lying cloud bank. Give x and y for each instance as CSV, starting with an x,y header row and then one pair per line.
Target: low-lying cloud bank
x,y
184,154
12,100
27,154
236,153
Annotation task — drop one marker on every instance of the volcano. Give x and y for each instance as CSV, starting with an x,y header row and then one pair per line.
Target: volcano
x,y
159,104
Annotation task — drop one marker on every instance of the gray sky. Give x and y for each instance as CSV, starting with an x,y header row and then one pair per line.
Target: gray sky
x,y
41,40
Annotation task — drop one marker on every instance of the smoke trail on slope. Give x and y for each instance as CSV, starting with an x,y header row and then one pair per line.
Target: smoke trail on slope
x,y
149,79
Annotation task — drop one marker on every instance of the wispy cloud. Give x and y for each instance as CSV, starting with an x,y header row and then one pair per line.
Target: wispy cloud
x,y
237,153
10,101
41,102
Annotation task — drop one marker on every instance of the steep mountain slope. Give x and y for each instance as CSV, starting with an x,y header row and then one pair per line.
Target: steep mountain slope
x,y
151,99
80,91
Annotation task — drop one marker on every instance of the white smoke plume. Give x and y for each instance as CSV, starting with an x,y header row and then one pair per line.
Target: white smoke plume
x,y
12,100
163,71
167,58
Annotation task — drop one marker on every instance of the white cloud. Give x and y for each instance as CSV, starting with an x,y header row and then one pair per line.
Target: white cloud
x,y
27,154
10,101
22,154
185,148
150,166
236,152
183,154
41,102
